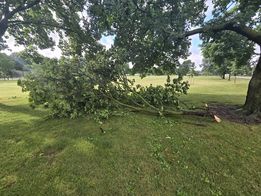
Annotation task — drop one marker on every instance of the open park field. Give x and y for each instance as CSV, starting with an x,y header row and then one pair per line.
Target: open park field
x,y
137,155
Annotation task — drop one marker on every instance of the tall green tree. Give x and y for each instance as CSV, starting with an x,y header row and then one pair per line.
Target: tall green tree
x,y
187,67
6,66
157,31
226,56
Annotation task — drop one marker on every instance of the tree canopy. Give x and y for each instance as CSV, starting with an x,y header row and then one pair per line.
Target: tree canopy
x,y
36,22
157,32
187,67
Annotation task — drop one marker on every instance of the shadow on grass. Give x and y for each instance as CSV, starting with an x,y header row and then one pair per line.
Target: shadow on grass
x,y
22,109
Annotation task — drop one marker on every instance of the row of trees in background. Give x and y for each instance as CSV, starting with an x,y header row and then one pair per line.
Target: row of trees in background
x,y
186,68
228,69
18,64
12,66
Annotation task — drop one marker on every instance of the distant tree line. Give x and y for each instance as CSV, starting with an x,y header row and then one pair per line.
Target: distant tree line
x,y
17,64
12,66
187,68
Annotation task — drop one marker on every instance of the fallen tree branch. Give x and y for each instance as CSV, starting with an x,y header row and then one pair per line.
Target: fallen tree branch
x,y
155,111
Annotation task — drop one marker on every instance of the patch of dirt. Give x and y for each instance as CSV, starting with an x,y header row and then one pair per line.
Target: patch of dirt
x,y
233,113
50,154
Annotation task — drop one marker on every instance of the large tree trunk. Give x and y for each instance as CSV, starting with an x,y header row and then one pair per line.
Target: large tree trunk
x,y
3,27
253,98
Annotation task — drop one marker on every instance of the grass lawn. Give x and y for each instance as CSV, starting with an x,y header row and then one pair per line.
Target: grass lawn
x,y
138,154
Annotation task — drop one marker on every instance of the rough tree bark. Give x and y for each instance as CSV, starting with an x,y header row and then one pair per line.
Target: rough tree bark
x,y
253,98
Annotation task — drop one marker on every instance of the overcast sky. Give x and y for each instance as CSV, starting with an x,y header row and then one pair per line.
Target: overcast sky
x,y
108,41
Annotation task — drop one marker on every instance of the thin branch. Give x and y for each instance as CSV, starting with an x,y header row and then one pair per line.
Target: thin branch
x,y
21,8
137,94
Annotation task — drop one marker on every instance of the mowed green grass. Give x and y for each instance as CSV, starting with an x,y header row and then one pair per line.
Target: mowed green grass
x,y
206,89
138,154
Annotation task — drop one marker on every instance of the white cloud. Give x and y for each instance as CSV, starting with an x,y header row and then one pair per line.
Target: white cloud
x,y
209,10
197,59
195,48
51,53
107,41
12,47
